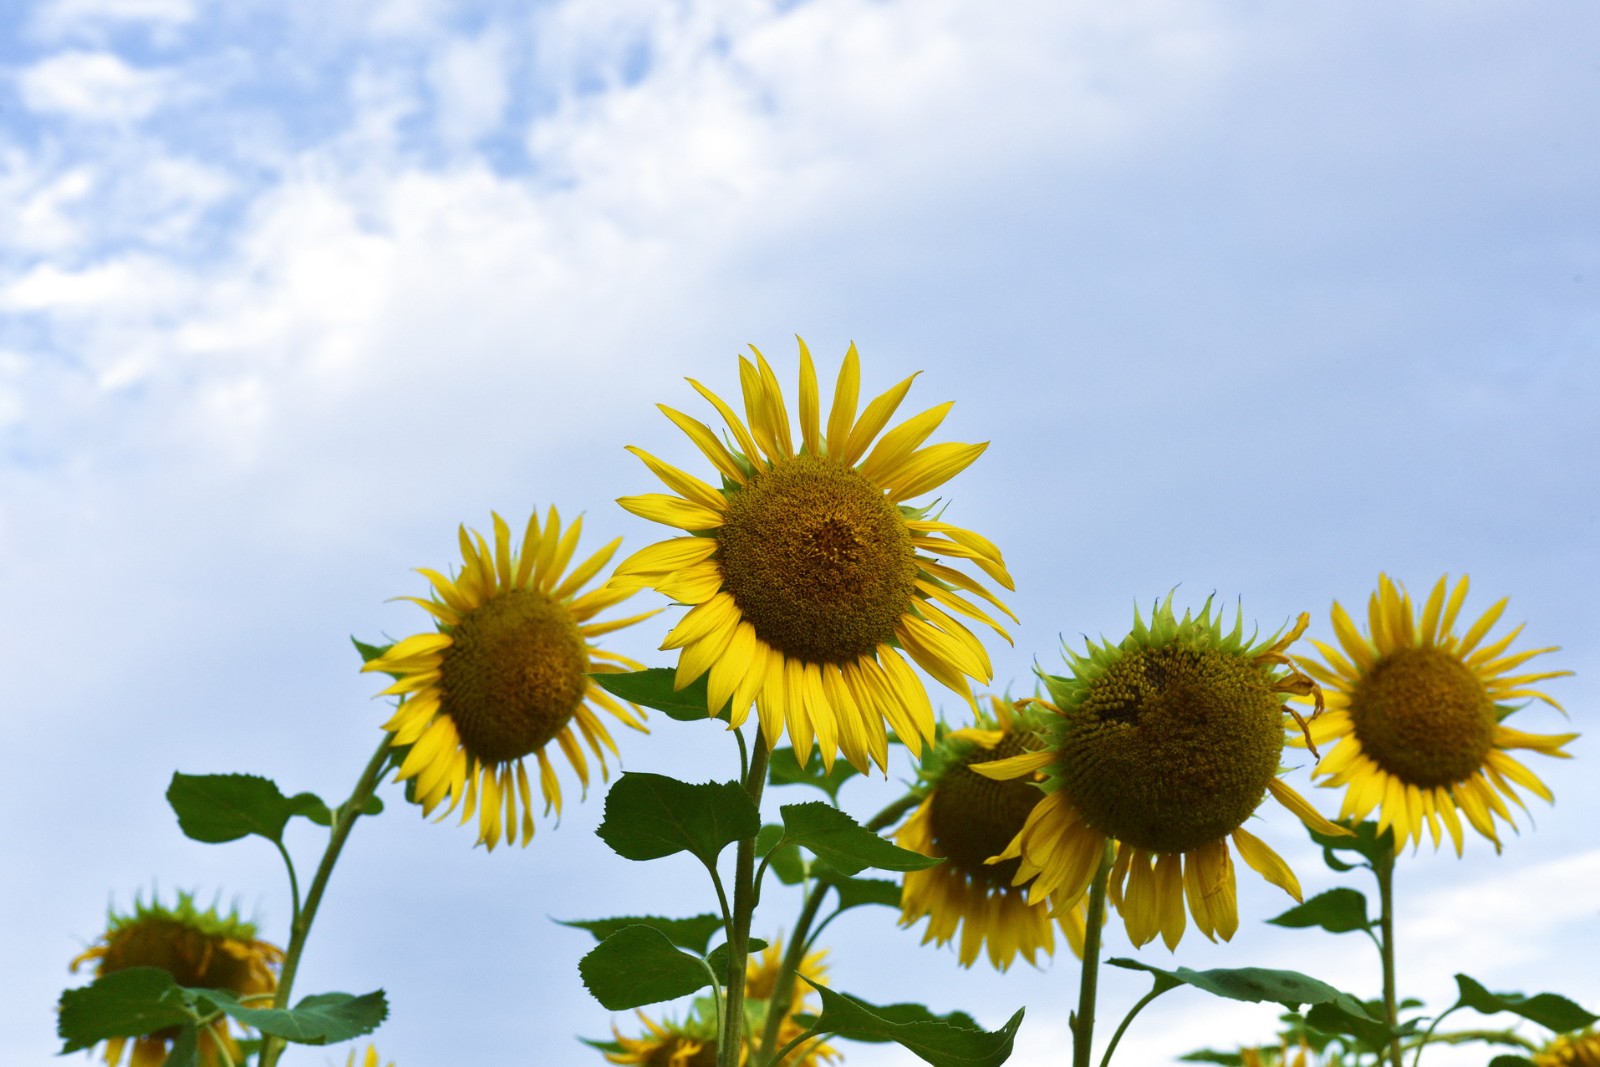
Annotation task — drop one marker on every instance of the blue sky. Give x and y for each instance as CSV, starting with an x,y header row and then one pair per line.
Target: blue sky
x,y
1254,299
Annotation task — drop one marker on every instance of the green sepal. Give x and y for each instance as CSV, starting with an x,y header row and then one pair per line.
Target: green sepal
x,y
1253,984
320,1019
126,1003
718,958
785,769
693,933
846,846
945,1041
649,816
1338,911
1550,1010
640,965
653,688
369,652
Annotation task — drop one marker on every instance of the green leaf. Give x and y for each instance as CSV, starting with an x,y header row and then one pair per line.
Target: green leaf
x,y
1205,1055
185,1051
1511,1061
1365,841
856,892
788,863
1550,1010
784,769
1373,1033
215,808
718,958
950,1041
1255,984
320,1019
838,839
693,933
769,836
639,965
1338,911
651,815
653,688
312,807
126,1003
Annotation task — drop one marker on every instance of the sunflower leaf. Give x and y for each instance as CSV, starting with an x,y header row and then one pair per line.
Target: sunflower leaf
x,y
693,933
1206,1055
126,1003
843,843
1363,840
944,1041
654,687
1338,911
640,965
319,1019
785,769
1337,1017
856,892
216,808
1550,1010
651,815
185,1050
1511,1061
718,957
1254,984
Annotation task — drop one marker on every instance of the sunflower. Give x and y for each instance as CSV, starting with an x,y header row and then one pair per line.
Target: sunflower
x,y
505,672
1412,712
1571,1050
693,1041
201,949
1164,743
809,578
369,1060
966,818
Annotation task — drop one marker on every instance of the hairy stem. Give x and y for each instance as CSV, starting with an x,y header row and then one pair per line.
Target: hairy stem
x,y
1383,868
730,1044
343,820
1083,1021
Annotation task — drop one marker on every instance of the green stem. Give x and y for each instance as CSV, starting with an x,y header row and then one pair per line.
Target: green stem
x,y
1083,1021
792,1045
1127,1020
294,883
730,1044
1426,1037
799,937
343,820
1491,1037
1383,868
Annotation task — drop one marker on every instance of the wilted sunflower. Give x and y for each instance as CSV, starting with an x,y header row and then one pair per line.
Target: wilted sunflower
x,y
504,674
693,1041
966,818
201,949
1571,1050
1413,717
1166,743
809,576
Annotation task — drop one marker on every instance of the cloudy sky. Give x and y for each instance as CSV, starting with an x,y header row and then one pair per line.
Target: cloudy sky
x,y
1254,299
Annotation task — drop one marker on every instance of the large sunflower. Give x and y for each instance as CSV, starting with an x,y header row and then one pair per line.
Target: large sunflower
x,y
1581,1049
966,818
692,1042
1164,743
810,579
504,674
1412,712
201,949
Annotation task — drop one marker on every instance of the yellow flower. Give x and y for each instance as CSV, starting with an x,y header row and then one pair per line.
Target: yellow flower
x,y
369,1060
504,674
1165,743
693,1041
809,577
1571,1050
1413,717
201,950
967,818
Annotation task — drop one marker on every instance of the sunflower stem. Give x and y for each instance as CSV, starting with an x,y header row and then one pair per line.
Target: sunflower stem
x,y
1083,1021
294,883
731,1044
1383,868
1127,1020
343,820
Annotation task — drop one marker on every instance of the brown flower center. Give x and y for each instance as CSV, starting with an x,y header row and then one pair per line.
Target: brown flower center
x,y
513,675
1173,747
973,817
1423,716
818,560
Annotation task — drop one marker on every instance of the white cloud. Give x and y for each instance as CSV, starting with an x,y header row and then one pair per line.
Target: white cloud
x,y
94,87
60,18
468,78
